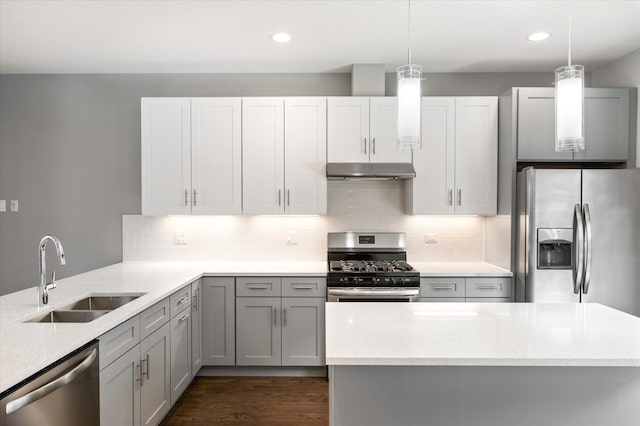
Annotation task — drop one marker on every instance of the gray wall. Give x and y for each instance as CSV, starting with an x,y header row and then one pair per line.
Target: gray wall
x,y
70,151
625,72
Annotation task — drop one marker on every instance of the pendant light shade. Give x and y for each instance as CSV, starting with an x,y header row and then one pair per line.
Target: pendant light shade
x,y
570,108
409,102
570,105
409,98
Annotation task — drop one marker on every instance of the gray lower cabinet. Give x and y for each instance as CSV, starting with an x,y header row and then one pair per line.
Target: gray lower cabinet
x,y
180,353
134,389
258,331
460,289
606,125
218,321
303,331
196,327
272,330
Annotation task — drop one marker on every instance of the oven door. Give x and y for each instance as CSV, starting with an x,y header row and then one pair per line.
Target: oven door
x,y
373,294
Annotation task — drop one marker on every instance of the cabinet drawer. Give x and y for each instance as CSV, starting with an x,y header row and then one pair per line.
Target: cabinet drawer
x,y
258,286
441,287
488,287
117,341
180,300
442,299
304,287
154,317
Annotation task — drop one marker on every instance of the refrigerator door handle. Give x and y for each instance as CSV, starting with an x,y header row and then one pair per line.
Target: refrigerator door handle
x,y
578,249
587,248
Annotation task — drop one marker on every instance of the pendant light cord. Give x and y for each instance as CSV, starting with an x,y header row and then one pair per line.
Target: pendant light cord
x,y
409,32
569,39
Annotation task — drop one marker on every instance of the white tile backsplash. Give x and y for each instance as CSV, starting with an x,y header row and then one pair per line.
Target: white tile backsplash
x,y
352,206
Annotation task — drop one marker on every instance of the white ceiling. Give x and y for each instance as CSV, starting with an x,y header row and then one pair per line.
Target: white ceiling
x,y
118,36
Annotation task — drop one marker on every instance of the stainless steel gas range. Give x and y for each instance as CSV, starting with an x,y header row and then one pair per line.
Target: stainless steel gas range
x,y
370,267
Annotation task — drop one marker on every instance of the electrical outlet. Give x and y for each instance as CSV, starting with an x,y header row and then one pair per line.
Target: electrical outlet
x,y
292,239
430,239
14,205
179,238
3,206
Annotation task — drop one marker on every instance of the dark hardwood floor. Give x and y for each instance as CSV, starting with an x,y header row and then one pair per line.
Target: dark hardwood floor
x,y
267,401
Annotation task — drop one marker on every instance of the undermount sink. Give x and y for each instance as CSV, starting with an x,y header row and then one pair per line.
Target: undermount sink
x,y
99,303
87,309
68,316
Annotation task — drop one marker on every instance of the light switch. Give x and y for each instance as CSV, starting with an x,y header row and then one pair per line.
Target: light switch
x,y
3,206
14,205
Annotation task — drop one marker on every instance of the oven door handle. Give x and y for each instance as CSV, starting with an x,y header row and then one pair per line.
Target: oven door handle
x,y
382,292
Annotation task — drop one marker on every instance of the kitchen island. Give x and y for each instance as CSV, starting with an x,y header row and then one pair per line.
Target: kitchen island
x,y
455,364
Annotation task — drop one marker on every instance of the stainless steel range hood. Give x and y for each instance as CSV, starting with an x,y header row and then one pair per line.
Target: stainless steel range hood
x,y
370,171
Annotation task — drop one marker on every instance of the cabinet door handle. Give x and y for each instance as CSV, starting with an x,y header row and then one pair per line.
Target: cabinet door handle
x,y
279,197
186,194
140,378
275,322
450,197
145,371
184,318
373,146
284,317
288,197
195,299
459,197
195,200
365,146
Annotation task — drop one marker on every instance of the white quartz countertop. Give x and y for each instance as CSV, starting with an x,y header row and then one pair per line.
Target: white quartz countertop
x,y
481,334
459,269
26,348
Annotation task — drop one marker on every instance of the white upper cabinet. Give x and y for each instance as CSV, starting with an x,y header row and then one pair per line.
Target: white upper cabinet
x,y
191,156
284,155
476,153
305,141
456,169
216,148
263,155
363,129
166,155
348,129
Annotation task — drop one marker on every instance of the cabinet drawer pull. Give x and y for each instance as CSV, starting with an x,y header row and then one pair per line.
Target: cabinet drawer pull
x,y
443,286
303,287
258,286
488,287
181,301
185,317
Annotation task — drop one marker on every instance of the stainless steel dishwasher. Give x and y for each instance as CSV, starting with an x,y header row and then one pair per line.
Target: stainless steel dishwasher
x,y
65,393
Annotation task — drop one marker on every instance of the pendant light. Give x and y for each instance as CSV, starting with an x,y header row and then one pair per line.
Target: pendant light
x,y
570,105
409,99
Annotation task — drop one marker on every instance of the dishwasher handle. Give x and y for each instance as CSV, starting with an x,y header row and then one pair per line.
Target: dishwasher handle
x,y
52,386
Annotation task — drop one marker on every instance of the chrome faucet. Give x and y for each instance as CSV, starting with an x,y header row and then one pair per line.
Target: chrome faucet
x,y
43,289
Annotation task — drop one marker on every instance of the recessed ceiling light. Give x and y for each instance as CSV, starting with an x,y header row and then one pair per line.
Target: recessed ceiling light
x,y
539,36
281,37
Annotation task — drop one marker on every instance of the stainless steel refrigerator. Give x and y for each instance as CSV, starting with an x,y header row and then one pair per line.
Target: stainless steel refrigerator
x,y
578,237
